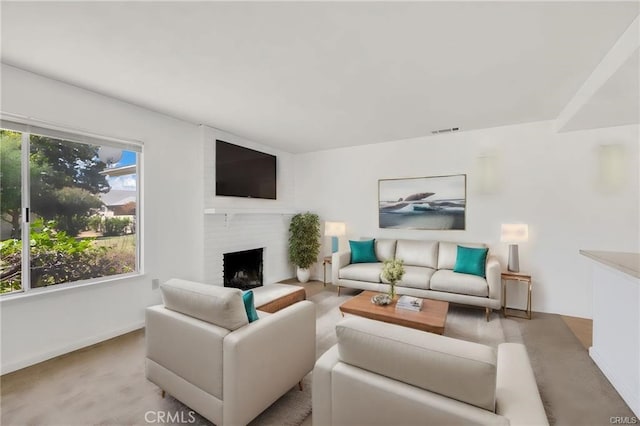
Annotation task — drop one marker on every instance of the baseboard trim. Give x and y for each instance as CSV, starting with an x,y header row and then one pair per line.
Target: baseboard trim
x,y
618,381
32,360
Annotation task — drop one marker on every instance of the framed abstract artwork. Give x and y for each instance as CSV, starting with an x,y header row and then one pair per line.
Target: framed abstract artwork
x,y
436,203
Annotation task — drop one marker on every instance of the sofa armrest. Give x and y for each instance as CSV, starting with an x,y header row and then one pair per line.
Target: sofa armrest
x,y
494,281
321,390
171,339
517,396
265,359
339,260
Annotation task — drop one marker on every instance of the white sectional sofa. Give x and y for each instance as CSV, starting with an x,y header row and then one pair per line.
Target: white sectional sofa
x,y
385,374
428,273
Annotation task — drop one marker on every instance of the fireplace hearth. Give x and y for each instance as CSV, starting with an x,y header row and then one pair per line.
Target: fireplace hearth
x,y
243,269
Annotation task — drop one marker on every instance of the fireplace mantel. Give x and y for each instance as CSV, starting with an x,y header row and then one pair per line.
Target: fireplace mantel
x,y
237,210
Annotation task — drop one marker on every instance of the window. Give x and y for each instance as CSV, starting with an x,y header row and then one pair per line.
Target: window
x,y
69,207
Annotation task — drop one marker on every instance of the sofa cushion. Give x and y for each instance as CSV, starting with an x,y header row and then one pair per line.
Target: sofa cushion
x,y
217,305
454,282
418,253
447,253
362,251
369,272
385,249
414,277
454,368
471,261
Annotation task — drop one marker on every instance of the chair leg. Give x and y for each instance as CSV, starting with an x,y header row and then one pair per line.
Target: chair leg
x,y
300,385
163,393
338,290
488,313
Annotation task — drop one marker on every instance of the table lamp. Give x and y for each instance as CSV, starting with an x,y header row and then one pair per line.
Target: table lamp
x,y
514,233
334,230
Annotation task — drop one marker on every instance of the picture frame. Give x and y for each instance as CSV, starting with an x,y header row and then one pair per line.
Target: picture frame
x,y
430,203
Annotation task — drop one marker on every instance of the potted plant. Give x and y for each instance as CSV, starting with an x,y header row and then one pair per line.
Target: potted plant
x,y
304,243
392,271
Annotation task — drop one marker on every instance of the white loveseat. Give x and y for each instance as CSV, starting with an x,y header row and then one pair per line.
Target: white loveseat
x,y
202,350
385,374
428,273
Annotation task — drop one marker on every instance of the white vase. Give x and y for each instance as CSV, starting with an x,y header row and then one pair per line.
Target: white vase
x,y
303,274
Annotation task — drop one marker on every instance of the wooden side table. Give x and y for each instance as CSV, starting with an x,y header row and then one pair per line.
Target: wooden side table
x,y
521,278
326,260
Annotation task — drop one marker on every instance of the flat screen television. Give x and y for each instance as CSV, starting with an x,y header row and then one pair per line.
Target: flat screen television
x,y
244,172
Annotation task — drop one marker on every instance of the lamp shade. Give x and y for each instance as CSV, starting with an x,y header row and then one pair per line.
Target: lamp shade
x,y
334,229
514,233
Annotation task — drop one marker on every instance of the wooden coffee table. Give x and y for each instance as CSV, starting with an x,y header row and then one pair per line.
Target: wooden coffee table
x,y
431,318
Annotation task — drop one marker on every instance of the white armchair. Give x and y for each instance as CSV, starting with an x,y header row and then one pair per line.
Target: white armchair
x,y
202,351
385,374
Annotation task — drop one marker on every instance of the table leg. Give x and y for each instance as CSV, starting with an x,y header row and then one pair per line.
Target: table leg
x,y
504,298
529,301
324,275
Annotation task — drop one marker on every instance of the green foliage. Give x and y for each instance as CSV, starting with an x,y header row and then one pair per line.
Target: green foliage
x,y
115,226
64,178
95,223
304,239
72,164
45,236
70,208
10,165
58,258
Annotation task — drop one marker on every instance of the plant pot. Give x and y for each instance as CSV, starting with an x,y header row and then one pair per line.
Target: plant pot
x,y
303,274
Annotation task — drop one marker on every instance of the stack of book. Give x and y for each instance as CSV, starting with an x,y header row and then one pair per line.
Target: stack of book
x,y
409,303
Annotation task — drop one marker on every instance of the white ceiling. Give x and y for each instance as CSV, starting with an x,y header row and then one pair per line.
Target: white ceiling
x,y
306,76
615,103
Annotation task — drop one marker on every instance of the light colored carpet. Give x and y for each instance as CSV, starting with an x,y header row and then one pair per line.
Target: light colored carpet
x,y
573,389
105,384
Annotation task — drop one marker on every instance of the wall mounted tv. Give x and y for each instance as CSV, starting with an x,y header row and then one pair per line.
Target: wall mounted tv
x,y
244,172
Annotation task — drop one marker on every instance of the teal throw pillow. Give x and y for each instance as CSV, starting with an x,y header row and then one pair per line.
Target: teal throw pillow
x,y
471,261
247,298
363,251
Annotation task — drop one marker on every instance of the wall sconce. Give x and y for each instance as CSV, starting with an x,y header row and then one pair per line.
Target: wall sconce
x,y
487,169
611,167
334,230
514,233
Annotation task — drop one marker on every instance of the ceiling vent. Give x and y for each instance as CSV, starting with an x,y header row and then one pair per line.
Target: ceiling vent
x,y
452,129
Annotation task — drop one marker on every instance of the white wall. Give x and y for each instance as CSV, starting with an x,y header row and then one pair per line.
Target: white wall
x,y
261,223
546,180
41,326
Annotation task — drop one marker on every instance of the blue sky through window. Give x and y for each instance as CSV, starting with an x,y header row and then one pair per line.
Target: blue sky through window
x,y
128,158
126,182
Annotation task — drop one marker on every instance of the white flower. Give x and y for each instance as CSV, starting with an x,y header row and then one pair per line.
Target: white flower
x,y
393,270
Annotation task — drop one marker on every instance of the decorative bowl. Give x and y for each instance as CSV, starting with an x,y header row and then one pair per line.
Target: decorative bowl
x,y
381,299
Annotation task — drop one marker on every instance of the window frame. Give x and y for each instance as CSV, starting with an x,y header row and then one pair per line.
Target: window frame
x,y
29,126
